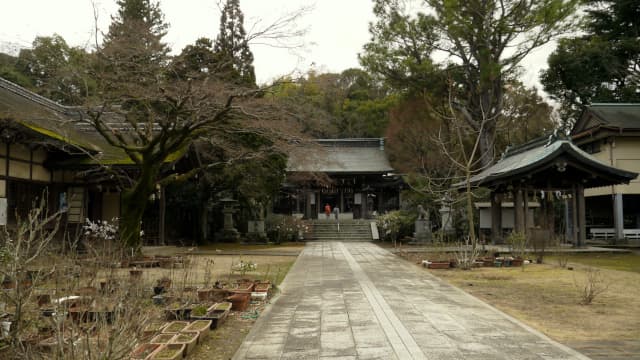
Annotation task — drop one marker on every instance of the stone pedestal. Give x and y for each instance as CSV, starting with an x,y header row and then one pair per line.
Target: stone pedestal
x,y
447,221
255,229
423,231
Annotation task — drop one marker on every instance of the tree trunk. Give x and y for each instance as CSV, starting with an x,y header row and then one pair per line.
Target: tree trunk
x,y
487,148
134,203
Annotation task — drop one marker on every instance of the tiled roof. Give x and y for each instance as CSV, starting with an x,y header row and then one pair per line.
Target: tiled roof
x,y
522,164
341,156
624,116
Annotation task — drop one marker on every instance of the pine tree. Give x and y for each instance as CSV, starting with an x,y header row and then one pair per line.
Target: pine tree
x,y
231,46
133,49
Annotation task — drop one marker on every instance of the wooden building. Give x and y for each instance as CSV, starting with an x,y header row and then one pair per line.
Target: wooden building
x,y
611,134
45,150
351,174
547,165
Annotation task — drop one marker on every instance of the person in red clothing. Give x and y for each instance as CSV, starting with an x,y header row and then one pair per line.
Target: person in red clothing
x,y
327,210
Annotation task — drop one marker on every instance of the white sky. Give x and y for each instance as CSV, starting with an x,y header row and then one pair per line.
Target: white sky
x,y
337,30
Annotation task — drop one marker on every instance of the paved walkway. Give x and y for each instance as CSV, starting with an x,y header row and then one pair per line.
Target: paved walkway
x,y
358,301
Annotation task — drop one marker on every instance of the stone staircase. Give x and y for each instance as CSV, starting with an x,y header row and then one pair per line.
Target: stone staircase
x,y
347,230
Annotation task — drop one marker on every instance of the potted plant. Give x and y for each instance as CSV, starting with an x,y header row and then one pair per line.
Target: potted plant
x,y
262,286
152,329
8,283
144,351
239,301
200,326
177,311
162,285
169,352
188,338
162,338
175,327
216,313
135,273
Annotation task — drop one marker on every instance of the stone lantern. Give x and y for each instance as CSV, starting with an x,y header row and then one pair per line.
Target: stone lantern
x,y
229,207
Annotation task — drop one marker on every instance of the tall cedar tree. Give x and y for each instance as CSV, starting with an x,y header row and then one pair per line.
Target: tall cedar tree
x,y
601,66
133,51
155,119
231,46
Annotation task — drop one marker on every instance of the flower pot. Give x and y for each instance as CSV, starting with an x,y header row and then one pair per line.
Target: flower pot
x,y
177,313
158,300
439,265
516,262
144,351
162,338
175,327
43,299
204,294
262,287
243,288
239,301
152,330
79,314
200,326
8,284
189,339
169,352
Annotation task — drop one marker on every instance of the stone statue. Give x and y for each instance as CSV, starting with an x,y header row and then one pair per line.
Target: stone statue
x,y
422,213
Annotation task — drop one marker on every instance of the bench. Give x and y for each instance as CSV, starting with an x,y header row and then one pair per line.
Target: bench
x,y
610,233
602,233
631,234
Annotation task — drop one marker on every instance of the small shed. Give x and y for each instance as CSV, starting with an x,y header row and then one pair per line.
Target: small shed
x,y
545,165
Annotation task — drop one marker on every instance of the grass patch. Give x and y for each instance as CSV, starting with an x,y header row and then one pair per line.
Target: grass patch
x,y
611,261
547,297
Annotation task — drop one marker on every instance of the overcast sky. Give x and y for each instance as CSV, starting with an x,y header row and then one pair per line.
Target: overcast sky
x,y
337,30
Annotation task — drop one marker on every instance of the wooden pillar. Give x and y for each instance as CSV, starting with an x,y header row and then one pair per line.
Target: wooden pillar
x,y
525,221
496,218
582,216
550,213
342,209
574,217
618,217
518,216
307,204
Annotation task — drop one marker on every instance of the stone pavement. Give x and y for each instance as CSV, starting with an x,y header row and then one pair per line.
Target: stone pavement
x,y
358,301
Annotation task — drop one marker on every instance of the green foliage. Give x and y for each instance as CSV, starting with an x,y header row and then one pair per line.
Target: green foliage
x,y
133,53
396,224
517,242
196,61
349,104
601,65
232,47
282,228
488,40
401,47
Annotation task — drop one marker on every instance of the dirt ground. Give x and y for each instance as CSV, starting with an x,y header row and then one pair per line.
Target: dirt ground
x,y
547,297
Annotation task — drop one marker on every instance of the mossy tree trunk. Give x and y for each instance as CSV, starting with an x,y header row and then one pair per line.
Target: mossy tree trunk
x,y
133,204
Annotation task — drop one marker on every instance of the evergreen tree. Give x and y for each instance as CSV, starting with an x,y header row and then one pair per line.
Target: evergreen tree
x,y
603,65
232,48
133,49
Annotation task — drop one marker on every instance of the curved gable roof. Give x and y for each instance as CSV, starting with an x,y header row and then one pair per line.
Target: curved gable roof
x,y
557,157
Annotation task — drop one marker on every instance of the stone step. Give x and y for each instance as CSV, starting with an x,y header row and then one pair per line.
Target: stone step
x,y
353,230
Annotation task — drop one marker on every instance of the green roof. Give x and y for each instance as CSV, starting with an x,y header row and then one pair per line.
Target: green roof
x,y
623,116
47,118
555,165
